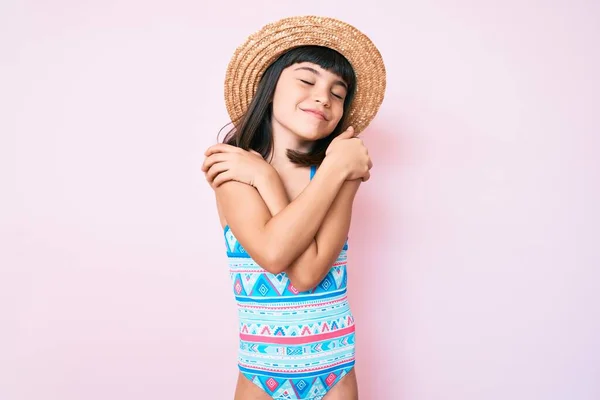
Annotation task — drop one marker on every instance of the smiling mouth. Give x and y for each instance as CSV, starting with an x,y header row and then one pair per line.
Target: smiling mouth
x,y
316,115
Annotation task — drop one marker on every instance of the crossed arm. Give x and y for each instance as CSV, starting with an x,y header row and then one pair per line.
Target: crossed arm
x,y
315,261
302,237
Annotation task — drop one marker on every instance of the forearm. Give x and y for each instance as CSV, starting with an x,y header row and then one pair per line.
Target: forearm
x,y
315,262
293,225
312,265
273,192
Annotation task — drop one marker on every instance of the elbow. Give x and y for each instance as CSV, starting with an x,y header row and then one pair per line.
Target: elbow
x,y
273,262
273,268
303,281
303,285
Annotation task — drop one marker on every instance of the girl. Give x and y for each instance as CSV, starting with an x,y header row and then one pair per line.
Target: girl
x,y
285,179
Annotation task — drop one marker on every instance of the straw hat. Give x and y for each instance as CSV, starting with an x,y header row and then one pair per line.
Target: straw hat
x,y
263,47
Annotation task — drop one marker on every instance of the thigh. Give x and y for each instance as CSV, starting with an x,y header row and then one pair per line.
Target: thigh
x,y
345,389
246,390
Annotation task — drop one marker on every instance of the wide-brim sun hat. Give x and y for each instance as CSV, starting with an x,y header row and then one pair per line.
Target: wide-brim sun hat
x,y
262,48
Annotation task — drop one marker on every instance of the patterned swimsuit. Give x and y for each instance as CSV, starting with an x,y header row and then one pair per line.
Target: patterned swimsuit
x,y
293,345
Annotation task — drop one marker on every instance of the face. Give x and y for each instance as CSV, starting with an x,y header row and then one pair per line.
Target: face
x,y
308,101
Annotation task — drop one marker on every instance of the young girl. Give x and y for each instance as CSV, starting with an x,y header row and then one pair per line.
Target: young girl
x,y
298,92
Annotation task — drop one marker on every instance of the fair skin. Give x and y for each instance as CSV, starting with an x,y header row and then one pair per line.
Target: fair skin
x,y
286,223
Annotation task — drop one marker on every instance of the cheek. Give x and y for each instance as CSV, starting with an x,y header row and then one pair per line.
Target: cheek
x,y
280,104
282,111
284,101
338,114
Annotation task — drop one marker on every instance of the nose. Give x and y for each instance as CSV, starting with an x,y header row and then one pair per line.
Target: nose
x,y
322,96
324,102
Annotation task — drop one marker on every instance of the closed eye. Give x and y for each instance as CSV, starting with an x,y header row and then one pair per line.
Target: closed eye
x,y
311,84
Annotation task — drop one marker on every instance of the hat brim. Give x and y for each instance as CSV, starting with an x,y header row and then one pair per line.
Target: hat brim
x,y
261,49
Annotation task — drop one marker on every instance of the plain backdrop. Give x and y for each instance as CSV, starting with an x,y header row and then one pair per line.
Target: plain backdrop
x,y
474,266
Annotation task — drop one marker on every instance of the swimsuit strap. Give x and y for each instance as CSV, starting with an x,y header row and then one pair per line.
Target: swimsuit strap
x,y
313,169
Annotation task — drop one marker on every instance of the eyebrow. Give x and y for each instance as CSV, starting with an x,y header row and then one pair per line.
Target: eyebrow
x,y
338,82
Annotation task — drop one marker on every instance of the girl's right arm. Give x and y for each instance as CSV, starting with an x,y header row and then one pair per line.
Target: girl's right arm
x,y
275,242
316,260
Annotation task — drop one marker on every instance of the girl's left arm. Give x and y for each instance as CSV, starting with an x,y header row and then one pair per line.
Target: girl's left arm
x,y
315,262
313,265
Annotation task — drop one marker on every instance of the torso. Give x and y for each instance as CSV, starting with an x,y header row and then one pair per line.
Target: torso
x,y
293,345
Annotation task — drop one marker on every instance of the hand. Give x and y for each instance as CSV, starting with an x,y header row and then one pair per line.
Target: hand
x,y
225,163
349,152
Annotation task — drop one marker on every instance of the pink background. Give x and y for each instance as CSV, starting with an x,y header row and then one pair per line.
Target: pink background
x,y
474,272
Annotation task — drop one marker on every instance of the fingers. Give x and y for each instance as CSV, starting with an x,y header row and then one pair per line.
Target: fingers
x,y
347,134
367,174
366,177
221,179
213,159
215,170
222,148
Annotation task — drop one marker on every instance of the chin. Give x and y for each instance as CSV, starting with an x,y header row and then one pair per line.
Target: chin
x,y
310,133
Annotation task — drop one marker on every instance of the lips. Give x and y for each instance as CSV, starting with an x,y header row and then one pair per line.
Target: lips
x,y
316,113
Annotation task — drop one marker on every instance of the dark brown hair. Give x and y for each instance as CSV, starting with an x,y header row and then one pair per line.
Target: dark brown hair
x,y
254,131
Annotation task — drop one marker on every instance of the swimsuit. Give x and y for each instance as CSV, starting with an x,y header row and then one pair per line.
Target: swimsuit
x,y
293,345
